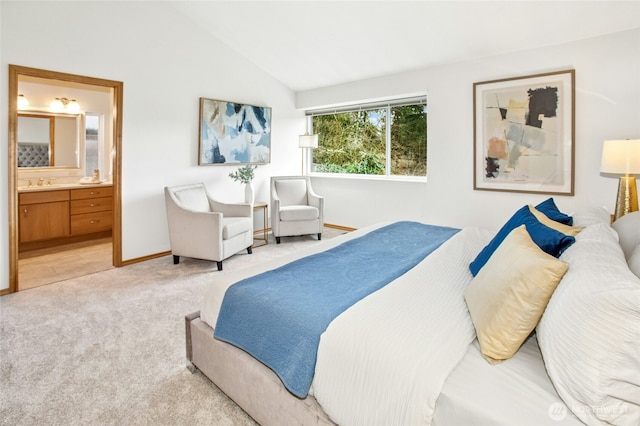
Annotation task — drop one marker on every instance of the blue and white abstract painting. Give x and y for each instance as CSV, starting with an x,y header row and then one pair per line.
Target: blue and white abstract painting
x,y
231,132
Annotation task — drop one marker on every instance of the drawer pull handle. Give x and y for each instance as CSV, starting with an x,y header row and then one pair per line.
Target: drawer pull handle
x,y
94,221
93,205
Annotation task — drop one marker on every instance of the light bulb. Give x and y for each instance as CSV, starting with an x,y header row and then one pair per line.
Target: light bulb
x,y
23,102
73,106
56,105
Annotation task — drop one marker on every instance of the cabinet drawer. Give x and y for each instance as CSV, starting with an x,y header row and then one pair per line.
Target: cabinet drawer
x,y
91,205
91,222
94,192
43,197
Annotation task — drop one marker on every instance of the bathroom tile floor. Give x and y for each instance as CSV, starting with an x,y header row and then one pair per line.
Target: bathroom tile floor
x,y
46,266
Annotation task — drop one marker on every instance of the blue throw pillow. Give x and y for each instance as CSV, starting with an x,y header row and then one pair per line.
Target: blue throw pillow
x,y
549,208
549,240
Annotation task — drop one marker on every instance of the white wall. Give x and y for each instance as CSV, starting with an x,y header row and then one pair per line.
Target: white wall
x,y
166,63
607,107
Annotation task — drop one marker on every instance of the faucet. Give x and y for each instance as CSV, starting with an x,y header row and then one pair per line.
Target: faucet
x,y
40,181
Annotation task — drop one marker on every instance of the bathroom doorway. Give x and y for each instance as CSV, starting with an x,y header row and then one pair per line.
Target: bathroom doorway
x,y
109,164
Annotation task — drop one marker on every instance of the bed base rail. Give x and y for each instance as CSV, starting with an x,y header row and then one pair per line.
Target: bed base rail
x,y
248,382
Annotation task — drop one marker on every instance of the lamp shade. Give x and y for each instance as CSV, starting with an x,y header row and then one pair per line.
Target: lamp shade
x,y
308,141
73,106
23,102
621,156
56,105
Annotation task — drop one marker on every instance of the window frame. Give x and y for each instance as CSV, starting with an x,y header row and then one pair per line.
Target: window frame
x,y
420,99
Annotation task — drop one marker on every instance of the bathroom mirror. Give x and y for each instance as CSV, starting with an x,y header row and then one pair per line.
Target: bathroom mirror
x,y
49,140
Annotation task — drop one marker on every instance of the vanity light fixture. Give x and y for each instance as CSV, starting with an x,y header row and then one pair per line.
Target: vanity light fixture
x,y
65,105
56,105
73,106
23,102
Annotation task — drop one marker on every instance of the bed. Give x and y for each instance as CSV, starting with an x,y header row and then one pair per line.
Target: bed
x,y
411,353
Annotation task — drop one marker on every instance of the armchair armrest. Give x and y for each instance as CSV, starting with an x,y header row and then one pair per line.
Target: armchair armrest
x,y
232,209
318,202
188,220
315,199
275,205
195,233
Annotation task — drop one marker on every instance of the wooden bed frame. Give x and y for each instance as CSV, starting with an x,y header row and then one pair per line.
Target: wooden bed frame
x,y
250,384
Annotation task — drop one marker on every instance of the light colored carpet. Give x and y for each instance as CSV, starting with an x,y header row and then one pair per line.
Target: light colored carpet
x,y
108,348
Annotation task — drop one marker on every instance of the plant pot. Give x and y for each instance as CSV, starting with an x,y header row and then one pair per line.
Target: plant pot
x,y
248,193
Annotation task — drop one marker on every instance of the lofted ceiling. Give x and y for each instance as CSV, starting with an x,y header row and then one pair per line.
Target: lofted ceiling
x,y
312,44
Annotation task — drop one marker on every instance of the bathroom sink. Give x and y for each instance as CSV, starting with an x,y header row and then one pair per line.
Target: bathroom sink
x,y
46,187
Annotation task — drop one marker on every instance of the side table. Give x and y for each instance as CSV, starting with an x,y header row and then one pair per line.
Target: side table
x,y
262,205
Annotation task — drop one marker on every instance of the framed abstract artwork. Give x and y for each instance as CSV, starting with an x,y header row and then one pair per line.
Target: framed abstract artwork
x,y
233,133
524,134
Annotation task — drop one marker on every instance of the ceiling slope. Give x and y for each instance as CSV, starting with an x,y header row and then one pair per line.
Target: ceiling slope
x,y
311,44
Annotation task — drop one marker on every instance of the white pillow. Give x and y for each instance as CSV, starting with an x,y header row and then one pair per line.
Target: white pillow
x,y
589,335
634,261
628,229
591,216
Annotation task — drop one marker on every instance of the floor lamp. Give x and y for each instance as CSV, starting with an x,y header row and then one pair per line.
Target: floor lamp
x,y
622,158
306,142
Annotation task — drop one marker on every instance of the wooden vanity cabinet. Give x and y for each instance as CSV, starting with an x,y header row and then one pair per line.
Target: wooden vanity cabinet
x,y
50,218
44,215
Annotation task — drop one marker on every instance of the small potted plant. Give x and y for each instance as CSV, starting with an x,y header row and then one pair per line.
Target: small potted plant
x,y
245,175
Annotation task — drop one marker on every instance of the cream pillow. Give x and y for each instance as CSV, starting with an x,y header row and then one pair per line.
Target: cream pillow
x,y
560,227
509,294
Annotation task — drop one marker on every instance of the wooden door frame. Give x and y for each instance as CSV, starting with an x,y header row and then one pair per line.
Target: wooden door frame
x,y
116,161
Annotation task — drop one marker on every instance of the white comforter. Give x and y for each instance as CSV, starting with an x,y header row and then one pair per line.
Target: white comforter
x,y
385,359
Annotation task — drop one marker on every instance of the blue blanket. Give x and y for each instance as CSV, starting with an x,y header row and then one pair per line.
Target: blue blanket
x,y
279,315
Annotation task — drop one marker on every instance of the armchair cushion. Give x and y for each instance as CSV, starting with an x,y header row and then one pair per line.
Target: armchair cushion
x,y
292,192
290,213
232,226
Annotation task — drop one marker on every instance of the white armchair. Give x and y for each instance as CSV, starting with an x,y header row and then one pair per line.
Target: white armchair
x,y
295,208
203,228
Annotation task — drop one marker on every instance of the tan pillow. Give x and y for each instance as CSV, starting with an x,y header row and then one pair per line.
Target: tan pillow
x,y
560,227
508,296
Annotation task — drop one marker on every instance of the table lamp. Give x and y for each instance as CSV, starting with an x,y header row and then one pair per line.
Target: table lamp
x,y
307,141
622,157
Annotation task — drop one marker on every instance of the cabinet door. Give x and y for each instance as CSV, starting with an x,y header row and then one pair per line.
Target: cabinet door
x,y
44,221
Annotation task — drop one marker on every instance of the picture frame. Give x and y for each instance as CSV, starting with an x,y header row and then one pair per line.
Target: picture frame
x,y
523,134
233,133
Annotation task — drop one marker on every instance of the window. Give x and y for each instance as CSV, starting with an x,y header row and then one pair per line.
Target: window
x,y
93,143
388,139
